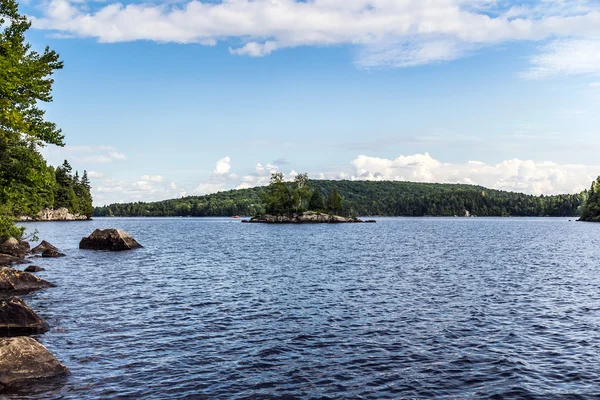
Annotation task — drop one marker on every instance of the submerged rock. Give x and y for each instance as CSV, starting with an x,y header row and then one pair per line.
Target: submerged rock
x,y
51,253
15,281
109,239
40,248
6,259
14,247
24,359
34,268
309,217
16,318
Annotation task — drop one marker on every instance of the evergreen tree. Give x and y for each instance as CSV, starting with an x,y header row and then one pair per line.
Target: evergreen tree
x,y
316,202
65,192
334,203
591,207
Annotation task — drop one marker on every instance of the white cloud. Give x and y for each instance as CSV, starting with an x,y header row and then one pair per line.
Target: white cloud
x,y
525,176
223,166
106,190
566,57
152,178
391,33
117,156
96,175
513,175
82,154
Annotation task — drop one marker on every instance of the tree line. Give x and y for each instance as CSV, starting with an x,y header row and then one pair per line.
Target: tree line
x,y
591,208
27,183
366,198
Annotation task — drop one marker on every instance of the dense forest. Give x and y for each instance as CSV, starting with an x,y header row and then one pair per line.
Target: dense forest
x,y
27,183
385,198
591,208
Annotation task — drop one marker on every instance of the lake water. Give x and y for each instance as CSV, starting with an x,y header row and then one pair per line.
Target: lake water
x,y
405,308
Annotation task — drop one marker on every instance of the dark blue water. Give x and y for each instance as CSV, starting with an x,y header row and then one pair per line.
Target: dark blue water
x,y
405,308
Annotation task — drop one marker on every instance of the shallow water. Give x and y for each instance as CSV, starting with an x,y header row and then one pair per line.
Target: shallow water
x,y
405,308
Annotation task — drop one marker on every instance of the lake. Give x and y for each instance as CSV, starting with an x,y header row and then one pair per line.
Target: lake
x,y
405,308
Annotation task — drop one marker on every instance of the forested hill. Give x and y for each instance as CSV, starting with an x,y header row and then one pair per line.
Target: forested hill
x,y
385,198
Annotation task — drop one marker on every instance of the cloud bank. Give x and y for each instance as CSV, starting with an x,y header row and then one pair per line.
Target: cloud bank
x,y
525,176
397,33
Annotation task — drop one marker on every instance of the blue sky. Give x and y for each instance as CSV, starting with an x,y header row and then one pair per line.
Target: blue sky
x,y
161,99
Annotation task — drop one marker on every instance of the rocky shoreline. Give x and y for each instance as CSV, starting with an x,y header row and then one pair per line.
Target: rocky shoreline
x,y
308,217
48,214
22,358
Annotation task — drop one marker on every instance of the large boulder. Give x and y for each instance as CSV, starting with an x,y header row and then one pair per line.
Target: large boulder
x,y
109,239
15,281
40,248
14,247
24,359
16,318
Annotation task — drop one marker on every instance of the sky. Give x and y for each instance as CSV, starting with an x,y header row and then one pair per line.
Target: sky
x,y
168,98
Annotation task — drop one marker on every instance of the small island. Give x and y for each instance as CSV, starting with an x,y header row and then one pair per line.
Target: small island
x,y
296,203
590,211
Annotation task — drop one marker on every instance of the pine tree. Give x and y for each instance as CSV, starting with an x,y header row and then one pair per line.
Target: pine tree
x,y
334,203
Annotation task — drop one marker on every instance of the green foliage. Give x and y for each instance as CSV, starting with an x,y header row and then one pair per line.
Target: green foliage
x,y
9,229
27,183
334,202
25,79
591,208
71,192
302,192
385,198
278,198
316,202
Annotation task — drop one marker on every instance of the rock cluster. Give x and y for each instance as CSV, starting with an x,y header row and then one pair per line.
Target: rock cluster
x,y
22,358
61,214
308,217
109,239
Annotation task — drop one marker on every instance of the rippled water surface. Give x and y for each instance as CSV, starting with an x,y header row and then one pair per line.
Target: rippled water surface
x,y
405,308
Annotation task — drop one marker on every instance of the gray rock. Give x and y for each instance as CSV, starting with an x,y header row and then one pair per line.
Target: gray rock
x,y
34,268
6,259
14,247
61,214
16,318
109,239
308,217
40,248
25,359
51,253
15,281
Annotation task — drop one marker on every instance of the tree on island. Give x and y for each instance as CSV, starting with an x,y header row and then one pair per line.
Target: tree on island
x,y
316,202
27,183
335,202
287,198
591,208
